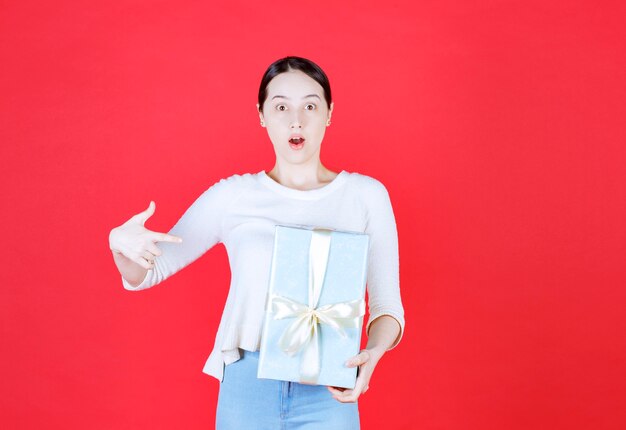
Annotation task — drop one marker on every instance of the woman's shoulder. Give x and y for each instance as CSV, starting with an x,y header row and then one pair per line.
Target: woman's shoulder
x,y
367,183
228,190
370,190
236,180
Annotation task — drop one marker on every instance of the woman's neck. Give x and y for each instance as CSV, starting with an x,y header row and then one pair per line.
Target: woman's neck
x,y
301,178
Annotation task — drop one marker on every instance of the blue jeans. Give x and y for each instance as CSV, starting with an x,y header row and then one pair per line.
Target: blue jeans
x,y
247,402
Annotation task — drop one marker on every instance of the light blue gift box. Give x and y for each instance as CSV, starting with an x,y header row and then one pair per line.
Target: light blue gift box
x,y
317,285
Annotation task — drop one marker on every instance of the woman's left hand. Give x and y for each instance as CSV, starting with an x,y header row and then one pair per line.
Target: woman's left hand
x,y
366,360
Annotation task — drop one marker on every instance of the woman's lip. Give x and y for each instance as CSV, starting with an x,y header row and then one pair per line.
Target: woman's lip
x,y
296,146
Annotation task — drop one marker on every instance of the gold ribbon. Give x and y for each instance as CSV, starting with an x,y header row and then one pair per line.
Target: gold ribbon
x,y
302,334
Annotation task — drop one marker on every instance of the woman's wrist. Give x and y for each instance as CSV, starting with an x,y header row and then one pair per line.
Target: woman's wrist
x,y
376,353
383,332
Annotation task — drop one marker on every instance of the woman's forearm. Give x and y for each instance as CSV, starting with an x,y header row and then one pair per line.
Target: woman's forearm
x,y
129,270
383,332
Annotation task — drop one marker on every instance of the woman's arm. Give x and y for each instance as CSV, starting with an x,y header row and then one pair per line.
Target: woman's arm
x,y
386,323
131,271
197,231
384,331
383,277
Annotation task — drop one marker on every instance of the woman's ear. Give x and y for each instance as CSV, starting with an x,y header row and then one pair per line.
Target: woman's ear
x,y
260,115
330,112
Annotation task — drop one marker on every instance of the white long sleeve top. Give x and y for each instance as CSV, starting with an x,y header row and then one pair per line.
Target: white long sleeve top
x,y
241,212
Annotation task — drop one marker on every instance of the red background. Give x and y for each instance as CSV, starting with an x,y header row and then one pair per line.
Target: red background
x,y
497,127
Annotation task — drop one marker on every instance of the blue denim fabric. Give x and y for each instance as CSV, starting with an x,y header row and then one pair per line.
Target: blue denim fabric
x,y
246,402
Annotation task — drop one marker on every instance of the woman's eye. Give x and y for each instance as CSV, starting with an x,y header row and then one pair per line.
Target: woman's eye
x,y
281,107
310,106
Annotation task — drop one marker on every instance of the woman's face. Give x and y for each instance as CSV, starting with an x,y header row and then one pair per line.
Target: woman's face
x,y
295,109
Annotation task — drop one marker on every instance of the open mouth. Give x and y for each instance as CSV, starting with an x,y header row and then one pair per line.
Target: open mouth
x,y
296,142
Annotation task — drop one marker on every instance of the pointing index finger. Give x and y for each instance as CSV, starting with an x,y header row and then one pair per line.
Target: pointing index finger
x,y
164,237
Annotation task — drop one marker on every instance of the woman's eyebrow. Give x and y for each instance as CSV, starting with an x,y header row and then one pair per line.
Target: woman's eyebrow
x,y
308,95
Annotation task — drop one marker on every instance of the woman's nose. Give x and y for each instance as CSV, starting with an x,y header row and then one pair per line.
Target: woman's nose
x,y
295,121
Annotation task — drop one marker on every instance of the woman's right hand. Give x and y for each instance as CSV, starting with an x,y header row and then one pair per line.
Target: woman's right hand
x,y
136,242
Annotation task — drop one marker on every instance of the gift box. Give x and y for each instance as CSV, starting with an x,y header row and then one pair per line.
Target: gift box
x,y
315,306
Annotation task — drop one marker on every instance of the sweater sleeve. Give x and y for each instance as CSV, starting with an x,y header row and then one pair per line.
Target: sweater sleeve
x,y
383,262
200,227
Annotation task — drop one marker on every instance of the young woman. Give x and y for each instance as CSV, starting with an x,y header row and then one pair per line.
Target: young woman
x,y
241,211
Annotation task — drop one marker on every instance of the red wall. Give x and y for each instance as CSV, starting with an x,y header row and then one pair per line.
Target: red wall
x,y
497,127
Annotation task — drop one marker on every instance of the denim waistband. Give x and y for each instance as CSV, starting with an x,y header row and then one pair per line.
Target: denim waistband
x,y
246,353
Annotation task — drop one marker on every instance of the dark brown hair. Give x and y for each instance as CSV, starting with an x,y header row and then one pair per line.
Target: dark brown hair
x,y
294,63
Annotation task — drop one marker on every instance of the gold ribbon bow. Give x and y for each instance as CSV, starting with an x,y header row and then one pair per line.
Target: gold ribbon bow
x,y
302,334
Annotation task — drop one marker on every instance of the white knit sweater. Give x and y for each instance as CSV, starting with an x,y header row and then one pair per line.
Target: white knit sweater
x,y
241,212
